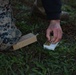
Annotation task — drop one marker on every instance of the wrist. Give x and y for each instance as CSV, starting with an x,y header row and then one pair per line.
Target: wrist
x,y
55,22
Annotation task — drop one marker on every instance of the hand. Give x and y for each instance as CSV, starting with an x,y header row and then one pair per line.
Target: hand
x,y
56,29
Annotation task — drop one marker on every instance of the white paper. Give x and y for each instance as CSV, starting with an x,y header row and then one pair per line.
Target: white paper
x,y
51,46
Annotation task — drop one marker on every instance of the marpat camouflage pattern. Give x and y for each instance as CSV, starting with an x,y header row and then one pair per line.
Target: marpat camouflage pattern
x,y
9,34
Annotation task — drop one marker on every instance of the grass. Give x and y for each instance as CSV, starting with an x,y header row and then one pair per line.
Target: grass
x,y
33,59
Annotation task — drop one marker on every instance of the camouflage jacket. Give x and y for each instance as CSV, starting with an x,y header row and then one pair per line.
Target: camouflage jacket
x,y
9,34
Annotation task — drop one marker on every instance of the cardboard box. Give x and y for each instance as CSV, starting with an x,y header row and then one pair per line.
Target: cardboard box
x,y
25,40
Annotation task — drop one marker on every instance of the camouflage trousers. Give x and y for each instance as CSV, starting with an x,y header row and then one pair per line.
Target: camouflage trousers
x,y
9,34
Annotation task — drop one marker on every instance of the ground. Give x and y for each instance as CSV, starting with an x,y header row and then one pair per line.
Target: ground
x,y
33,59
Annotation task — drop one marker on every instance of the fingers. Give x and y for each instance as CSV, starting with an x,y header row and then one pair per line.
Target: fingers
x,y
57,32
48,34
57,35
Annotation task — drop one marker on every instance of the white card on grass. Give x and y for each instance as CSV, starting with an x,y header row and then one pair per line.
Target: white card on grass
x,y
50,46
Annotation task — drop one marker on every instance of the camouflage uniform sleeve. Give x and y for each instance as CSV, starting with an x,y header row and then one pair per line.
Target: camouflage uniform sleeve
x,y
9,34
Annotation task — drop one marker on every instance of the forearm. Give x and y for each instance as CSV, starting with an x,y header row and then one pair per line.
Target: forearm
x,y
52,9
